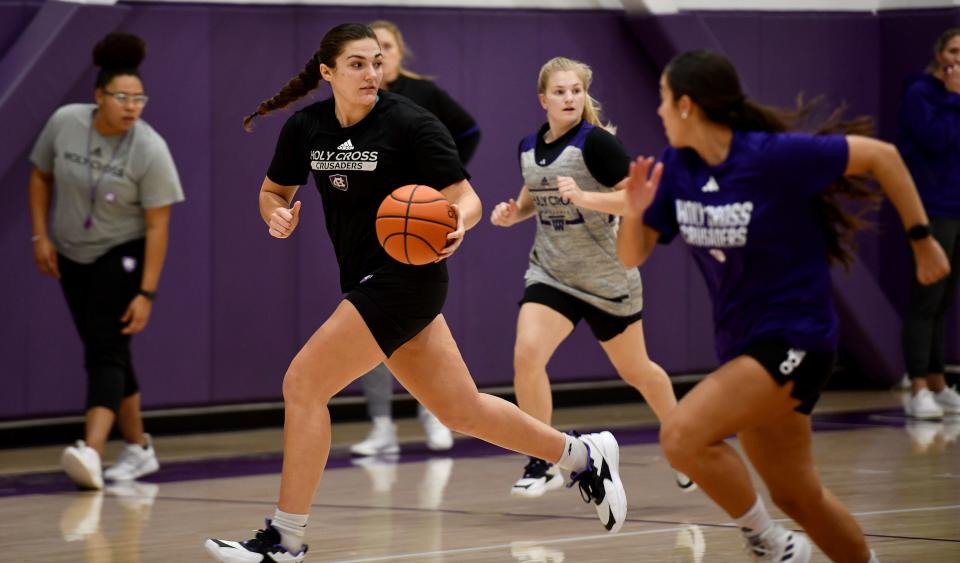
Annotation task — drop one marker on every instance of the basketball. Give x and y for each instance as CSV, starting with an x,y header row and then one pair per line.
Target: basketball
x,y
413,223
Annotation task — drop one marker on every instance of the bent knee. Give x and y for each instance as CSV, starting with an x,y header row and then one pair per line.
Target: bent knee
x,y
461,417
797,498
676,441
642,376
528,361
300,388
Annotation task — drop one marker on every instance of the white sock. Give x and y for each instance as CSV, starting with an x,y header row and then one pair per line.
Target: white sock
x,y
575,456
292,528
873,557
755,521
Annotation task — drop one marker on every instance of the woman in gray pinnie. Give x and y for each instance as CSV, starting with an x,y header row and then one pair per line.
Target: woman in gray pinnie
x,y
574,272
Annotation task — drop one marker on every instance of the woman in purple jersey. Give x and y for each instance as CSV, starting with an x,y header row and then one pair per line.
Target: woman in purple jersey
x,y
757,207
391,312
928,136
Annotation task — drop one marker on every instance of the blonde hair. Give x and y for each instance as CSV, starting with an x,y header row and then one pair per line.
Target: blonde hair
x,y
401,46
591,107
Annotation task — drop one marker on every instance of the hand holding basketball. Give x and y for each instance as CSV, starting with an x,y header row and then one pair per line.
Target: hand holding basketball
x,y
283,221
454,239
416,223
505,213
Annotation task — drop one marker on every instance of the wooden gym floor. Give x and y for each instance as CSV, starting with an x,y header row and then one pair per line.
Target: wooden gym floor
x,y
900,478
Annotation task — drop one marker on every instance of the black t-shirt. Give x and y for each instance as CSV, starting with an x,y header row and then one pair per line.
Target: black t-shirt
x,y
426,94
603,153
356,167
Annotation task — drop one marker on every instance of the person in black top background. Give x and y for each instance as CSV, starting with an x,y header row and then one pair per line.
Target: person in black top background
x,y
361,144
424,91
378,383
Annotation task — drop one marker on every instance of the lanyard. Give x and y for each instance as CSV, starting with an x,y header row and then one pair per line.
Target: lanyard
x,y
94,186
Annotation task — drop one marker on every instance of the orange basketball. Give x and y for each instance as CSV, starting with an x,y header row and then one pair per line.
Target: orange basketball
x,y
413,223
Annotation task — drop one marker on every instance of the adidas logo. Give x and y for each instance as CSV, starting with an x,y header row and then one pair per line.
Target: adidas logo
x,y
710,186
345,146
544,182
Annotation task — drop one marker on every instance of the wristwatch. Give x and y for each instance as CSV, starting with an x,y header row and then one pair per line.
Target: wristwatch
x,y
918,232
151,295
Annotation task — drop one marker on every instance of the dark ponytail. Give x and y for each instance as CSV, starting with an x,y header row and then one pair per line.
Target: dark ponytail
x,y
710,80
118,54
331,46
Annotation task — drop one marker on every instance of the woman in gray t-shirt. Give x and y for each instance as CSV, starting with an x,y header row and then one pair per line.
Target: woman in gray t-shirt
x,y
111,181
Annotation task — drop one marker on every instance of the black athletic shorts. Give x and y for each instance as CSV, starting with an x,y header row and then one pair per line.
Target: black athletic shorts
x,y
396,306
604,325
809,371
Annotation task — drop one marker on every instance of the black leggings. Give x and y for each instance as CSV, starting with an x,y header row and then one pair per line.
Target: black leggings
x,y
923,324
98,294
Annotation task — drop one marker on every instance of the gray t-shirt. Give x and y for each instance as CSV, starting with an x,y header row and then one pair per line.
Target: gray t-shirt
x,y
575,250
102,184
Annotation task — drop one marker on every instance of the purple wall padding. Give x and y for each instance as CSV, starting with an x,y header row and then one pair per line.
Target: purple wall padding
x,y
235,304
869,325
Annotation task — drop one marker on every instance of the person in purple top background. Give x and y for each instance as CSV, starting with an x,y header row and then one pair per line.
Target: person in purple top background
x,y
759,208
928,136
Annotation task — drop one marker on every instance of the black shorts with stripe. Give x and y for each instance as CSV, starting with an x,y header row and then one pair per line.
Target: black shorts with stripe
x,y
809,371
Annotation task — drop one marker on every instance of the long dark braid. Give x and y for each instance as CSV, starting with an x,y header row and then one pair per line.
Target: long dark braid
x,y
331,46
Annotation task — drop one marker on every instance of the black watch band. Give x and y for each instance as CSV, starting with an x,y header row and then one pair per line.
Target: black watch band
x,y
918,232
151,295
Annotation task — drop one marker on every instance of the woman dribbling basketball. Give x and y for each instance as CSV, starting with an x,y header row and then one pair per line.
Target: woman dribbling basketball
x,y
360,144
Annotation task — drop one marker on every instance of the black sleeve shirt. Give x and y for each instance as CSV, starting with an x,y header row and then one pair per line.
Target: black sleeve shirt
x,y
356,167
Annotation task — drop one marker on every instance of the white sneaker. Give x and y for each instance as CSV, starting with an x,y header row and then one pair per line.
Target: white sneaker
x,y
685,483
265,546
134,462
82,464
382,439
439,437
779,545
923,405
948,400
539,476
600,481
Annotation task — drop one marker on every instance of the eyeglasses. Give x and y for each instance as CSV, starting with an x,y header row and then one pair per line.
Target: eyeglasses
x,y
123,98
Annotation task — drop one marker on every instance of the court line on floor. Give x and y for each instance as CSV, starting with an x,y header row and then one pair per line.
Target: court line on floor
x,y
904,510
442,552
584,517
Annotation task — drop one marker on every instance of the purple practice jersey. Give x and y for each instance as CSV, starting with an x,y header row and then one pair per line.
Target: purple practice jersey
x,y
756,233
